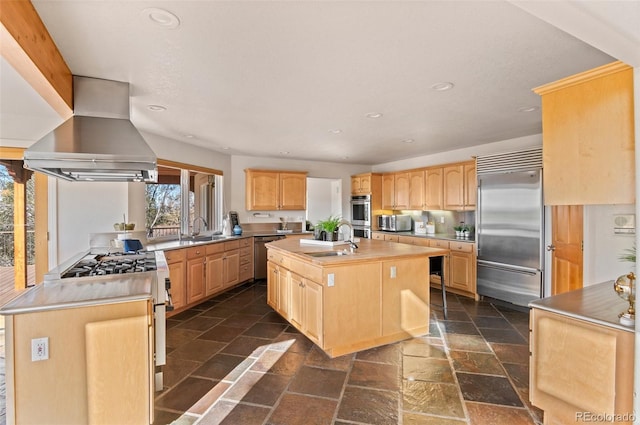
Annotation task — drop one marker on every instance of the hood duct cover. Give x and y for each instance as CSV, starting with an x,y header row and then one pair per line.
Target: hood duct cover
x,y
98,143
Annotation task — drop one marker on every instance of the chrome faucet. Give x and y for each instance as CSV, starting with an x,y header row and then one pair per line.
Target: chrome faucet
x,y
352,244
193,226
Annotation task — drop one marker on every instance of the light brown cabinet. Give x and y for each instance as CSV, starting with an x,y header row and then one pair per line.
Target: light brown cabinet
x,y
588,137
579,367
365,184
462,267
195,274
278,295
275,190
306,307
395,191
460,186
199,272
433,189
416,190
177,274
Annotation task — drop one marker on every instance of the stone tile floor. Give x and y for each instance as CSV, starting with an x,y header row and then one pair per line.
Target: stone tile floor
x,y
233,360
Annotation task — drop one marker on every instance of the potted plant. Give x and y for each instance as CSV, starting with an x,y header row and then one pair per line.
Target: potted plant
x,y
458,230
330,227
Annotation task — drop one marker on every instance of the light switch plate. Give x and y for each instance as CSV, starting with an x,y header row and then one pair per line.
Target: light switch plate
x,y
39,349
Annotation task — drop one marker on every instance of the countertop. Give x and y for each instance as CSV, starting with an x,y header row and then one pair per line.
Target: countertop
x,y
185,243
597,304
446,236
57,295
368,250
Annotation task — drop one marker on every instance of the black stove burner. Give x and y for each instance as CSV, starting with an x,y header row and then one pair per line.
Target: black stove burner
x,y
113,263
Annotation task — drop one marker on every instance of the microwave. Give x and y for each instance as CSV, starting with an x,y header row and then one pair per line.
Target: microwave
x,y
394,222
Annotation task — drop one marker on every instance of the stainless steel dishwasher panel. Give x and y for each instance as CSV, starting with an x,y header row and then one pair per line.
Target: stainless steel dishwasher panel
x,y
260,255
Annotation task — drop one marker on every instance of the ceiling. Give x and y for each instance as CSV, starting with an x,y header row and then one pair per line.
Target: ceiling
x,y
298,79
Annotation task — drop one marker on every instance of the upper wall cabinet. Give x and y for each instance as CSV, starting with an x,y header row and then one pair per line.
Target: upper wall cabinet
x,y
433,196
395,191
275,190
365,184
460,186
587,137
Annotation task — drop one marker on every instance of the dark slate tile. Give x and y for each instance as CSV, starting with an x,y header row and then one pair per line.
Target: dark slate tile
x,y
488,389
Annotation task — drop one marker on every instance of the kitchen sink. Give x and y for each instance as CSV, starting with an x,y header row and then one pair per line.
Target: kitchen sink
x,y
204,238
326,253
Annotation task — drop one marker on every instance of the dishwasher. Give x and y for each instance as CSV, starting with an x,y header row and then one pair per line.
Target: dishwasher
x,y
260,255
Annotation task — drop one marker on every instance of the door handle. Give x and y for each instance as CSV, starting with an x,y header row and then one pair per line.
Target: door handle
x,y
551,247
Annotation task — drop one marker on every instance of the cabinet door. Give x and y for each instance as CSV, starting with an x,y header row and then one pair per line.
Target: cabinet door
x,y
195,279
365,185
283,292
355,185
313,311
462,271
297,301
231,267
214,274
272,285
293,191
261,190
470,186
453,187
178,287
416,190
402,312
388,191
433,189
401,191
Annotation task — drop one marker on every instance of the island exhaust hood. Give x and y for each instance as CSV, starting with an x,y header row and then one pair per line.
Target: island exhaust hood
x,y
98,143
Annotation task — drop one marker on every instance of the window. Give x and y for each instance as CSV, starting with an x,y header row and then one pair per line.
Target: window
x,y
185,199
23,224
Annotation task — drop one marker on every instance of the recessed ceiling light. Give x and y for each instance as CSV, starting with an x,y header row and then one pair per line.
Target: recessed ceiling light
x,y
528,109
408,141
189,136
285,152
442,86
226,148
345,157
161,17
374,115
156,108
336,131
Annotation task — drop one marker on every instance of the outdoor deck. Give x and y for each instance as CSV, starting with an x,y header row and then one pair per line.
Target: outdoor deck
x,y
7,290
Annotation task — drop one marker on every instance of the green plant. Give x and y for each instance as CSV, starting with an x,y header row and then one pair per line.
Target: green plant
x,y
457,228
629,254
330,225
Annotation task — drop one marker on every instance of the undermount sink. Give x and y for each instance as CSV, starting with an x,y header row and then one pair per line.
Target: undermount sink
x,y
204,238
326,253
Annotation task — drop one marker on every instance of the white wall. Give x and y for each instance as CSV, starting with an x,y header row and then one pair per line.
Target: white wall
x,y
324,198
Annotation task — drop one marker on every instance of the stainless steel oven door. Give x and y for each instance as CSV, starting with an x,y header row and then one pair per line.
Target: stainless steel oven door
x,y
362,232
361,210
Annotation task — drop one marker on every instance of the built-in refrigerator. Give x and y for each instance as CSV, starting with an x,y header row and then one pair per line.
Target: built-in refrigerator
x,y
510,227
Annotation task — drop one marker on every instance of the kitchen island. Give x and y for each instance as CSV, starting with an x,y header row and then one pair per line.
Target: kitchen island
x,y
581,365
350,301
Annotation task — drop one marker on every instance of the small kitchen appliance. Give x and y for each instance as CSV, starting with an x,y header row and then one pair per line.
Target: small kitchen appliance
x,y
394,222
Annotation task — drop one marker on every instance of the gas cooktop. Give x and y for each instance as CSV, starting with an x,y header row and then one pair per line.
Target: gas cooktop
x,y
111,263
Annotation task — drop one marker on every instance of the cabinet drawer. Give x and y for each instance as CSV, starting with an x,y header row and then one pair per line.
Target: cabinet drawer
x,y
438,243
246,242
278,259
391,238
231,245
245,259
461,246
175,255
214,248
245,251
410,240
196,251
378,236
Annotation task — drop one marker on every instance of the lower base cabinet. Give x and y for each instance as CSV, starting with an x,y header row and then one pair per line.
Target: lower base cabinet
x,y
306,307
580,371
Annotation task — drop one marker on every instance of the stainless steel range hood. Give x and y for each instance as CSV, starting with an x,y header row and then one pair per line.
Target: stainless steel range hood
x,y
98,143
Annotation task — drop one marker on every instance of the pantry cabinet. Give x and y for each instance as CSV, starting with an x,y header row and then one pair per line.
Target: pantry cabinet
x,y
275,190
588,137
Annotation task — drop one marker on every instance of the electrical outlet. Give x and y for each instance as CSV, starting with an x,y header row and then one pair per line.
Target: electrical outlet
x,y
331,279
441,220
393,272
39,349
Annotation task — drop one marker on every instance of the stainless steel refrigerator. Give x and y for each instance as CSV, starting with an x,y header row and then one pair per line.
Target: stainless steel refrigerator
x,y
510,227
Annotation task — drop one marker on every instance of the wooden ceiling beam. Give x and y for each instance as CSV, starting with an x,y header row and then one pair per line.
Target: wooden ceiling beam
x,y
27,45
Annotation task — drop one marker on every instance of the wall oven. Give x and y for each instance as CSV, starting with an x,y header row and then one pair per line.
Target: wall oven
x,y
361,210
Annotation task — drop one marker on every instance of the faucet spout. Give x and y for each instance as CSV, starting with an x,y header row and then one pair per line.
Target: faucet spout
x,y
351,236
193,226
